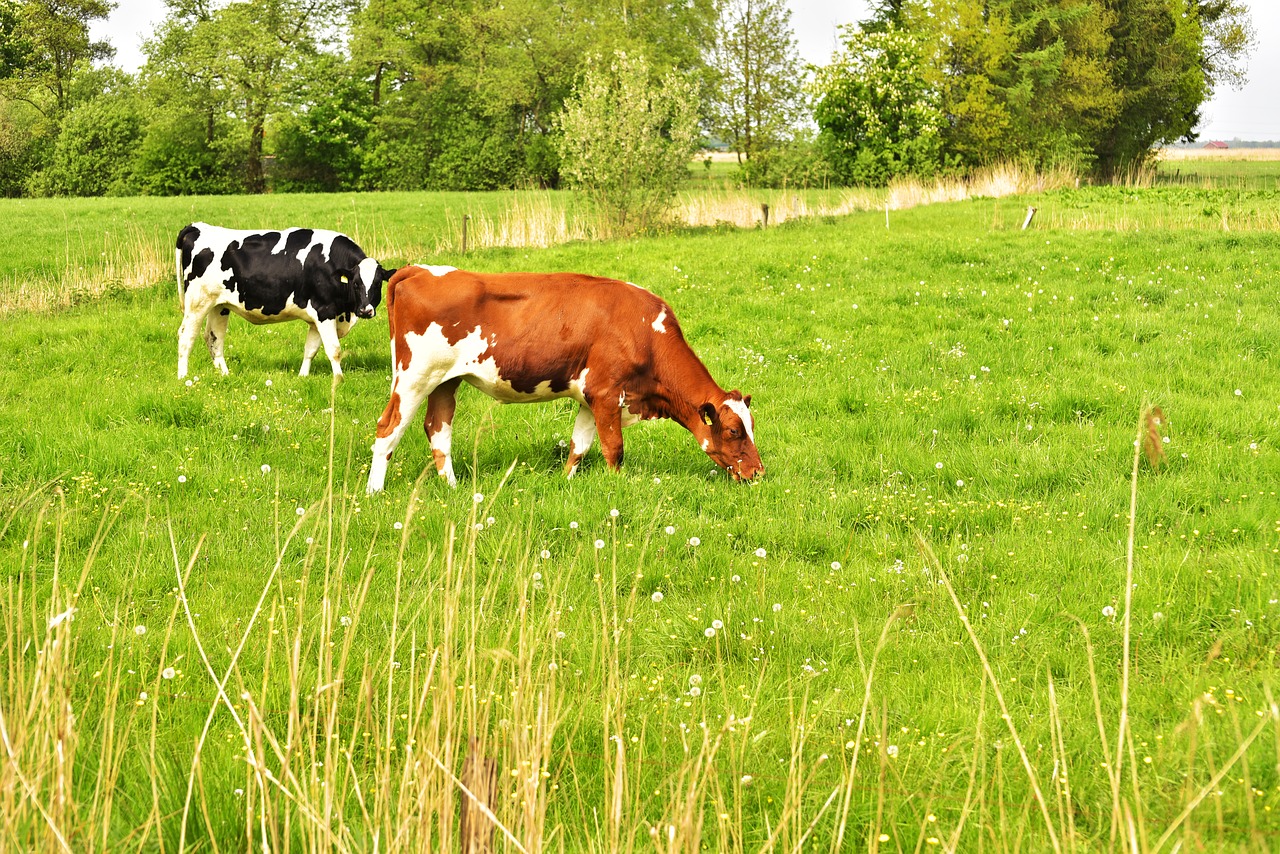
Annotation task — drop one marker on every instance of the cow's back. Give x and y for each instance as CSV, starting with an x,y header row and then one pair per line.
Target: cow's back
x,y
553,312
537,328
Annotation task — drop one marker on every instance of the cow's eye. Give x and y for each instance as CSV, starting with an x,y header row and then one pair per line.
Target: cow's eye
x,y
733,433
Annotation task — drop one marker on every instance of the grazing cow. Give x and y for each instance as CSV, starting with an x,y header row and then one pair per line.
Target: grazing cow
x,y
318,276
525,337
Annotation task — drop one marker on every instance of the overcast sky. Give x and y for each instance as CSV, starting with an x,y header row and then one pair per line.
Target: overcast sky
x,y
1252,112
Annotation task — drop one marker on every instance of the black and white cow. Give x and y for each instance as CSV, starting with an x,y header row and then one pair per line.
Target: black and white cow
x,y
308,274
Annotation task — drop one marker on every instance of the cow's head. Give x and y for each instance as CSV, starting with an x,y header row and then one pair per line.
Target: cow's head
x,y
366,285
727,434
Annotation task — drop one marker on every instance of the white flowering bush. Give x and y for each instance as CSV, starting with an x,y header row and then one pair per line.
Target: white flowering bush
x,y
877,114
626,140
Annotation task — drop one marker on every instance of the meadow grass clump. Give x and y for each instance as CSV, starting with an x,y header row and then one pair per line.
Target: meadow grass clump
x,y
914,632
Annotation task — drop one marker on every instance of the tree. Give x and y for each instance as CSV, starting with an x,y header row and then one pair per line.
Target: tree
x,y
877,114
317,144
238,59
759,98
1229,37
96,145
627,140
1155,66
48,44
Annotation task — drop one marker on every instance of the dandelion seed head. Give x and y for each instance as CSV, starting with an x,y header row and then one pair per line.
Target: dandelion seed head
x,y
168,673
599,544
657,596
761,553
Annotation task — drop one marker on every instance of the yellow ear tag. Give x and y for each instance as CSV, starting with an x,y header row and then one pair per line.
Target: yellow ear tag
x,y
707,420
344,279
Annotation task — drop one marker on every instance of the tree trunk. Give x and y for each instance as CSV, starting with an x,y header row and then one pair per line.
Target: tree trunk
x,y
255,181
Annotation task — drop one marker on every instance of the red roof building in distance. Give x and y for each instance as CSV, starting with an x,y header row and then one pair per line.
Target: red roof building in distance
x,y
1218,144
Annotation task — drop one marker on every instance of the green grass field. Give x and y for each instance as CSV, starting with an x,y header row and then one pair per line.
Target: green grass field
x,y
663,658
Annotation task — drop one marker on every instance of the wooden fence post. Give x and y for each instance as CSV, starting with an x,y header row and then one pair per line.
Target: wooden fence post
x,y
480,776
764,209
466,218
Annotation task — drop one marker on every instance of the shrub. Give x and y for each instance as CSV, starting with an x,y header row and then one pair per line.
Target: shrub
x,y
627,141
878,115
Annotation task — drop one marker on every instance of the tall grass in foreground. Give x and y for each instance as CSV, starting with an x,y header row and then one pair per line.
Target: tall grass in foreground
x,y
356,736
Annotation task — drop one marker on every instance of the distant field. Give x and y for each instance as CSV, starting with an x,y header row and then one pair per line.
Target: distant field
x,y
60,252
1244,168
663,659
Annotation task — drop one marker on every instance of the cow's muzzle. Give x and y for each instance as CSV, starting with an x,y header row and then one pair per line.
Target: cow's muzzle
x,y
366,312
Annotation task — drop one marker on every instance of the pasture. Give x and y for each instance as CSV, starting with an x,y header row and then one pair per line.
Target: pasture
x,y
911,634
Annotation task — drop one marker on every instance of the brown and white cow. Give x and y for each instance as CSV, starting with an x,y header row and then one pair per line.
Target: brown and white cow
x,y
526,337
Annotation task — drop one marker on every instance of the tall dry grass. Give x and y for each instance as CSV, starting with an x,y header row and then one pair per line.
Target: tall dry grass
x,y
131,259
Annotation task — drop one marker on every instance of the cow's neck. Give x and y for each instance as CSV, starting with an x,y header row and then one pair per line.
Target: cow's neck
x,y
683,385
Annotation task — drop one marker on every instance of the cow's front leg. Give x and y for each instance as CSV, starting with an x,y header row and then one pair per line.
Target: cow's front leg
x,y
584,433
441,405
309,349
608,415
332,346
406,398
215,337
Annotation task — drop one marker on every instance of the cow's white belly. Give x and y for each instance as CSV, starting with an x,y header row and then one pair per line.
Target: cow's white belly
x,y
433,360
204,290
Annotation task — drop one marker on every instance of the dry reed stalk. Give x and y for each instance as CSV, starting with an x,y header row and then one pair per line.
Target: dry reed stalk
x,y
995,686
969,796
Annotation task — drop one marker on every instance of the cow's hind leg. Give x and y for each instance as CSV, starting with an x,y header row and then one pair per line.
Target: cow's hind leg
x,y
309,350
193,314
584,433
215,337
406,398
441,405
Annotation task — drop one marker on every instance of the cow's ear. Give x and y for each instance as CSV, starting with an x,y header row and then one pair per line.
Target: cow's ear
x,y
708,413
384,274
747,400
